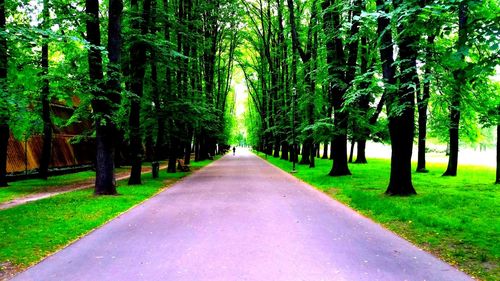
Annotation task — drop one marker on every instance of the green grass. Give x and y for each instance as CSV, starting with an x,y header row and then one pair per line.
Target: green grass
x,y
456,218
32,231
23,188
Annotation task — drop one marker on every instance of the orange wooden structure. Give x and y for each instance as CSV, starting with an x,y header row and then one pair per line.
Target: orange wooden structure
x,y
22,156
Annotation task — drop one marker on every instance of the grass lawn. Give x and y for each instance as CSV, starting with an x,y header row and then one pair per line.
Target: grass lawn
x,y
22,188
32,231
456,218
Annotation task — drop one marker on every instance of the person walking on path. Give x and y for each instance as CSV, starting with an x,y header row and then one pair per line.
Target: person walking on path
x,y
234,150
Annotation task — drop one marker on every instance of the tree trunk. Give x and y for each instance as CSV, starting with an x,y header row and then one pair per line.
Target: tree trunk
x,y
325,151
105,183
4,110
336,60
460,77
401,125
284,151
423,102
172,157
498,154
351,154
451,170
137,71
312,162
332,150
276,147
187,147
47,122
361,152
4,141
306,153
155,92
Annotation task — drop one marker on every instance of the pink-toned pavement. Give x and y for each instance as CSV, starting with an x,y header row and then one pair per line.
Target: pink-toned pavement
x,y
242,219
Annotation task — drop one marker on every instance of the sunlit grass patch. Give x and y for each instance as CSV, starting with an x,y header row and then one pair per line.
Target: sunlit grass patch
x,y
455,218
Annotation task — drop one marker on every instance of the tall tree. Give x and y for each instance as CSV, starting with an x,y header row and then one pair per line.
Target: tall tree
x,y
105,183
498,151
47,120
340,56
138,59
4,108
460,78
423,105
400,107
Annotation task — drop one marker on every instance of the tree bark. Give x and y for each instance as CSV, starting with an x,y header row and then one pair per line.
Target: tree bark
x,y
284,151
325,151
4,110
4,141
101,103
498,153
336,60
137,70
423,104
361,152
47,121
401,125
460,77
172,157
351,153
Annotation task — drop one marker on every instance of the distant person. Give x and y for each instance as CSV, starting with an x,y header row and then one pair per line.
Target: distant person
x,y
234,150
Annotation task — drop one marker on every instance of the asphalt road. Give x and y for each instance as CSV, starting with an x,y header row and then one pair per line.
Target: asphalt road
x,y
242,219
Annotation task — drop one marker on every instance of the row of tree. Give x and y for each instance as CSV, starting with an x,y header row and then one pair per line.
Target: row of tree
x,y
152,74
329,67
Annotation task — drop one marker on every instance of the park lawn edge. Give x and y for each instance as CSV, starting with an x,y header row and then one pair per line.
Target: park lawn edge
x,y
9,269
400,228
20,189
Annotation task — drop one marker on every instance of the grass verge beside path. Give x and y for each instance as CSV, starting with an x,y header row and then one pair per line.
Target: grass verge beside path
x,y
32,231
455,218
22,188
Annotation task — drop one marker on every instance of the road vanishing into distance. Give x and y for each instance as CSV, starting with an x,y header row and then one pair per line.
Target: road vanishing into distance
x,y
241,218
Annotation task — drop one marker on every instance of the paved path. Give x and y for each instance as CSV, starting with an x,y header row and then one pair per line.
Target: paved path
x,y
242,219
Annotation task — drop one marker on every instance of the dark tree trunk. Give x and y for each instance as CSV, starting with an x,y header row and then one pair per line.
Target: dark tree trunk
x,y
4,141
105,132
155,92
460,77
196,149
277,147
364,104
312,162
284,151
172,157
336,60
423,102
340,167
325,151
47,121
401,124
306,153
4,110
187,147
451,170
292,153
332,150
149,145
137,71
361,152
498,154
351,153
